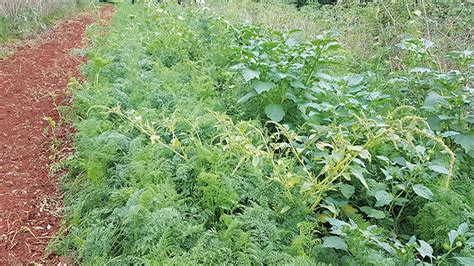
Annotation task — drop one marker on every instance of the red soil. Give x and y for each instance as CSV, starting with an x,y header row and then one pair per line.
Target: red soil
x,y
32,82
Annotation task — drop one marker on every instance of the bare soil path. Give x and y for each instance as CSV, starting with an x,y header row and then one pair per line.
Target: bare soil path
x,y
32,81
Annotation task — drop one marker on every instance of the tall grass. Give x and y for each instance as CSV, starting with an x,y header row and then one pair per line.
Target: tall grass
x,y
22,17
13,8
366,29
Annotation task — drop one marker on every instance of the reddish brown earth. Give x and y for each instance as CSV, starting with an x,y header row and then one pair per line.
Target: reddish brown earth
x,y
33,80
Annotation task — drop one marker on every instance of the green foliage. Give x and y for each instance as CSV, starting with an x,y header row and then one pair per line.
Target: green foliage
x,y
201,141
435,219
19,18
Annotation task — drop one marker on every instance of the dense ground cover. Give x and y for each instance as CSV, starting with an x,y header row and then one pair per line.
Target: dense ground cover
x,y
201,139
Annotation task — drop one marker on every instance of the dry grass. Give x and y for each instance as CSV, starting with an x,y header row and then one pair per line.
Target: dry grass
x,y
12,8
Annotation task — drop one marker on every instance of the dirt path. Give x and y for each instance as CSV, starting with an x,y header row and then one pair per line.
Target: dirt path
x,y
32,81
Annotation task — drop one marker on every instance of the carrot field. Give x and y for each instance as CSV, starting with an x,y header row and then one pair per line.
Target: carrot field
x,y
272,133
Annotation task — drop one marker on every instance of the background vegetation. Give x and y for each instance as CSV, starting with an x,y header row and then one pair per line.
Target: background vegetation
x,y
19,18
259,133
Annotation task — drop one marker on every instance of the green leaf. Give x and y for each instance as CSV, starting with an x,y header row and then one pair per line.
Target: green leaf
x,y
297,84
439,169
445,117
262,86
470,119
466,141
383,198
470,241
465,260
452,237
285,209
373,212
383,158
334,242
449,134
434,122
423,191
387,247
250,74
463,228
347,190
357,172
364,154
425,249
354,80
275,112
434,101
246,97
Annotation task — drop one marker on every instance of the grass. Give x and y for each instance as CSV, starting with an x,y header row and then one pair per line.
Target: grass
x,y
204,139
367,31
20,18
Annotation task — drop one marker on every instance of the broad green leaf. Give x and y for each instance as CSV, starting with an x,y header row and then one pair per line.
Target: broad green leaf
x,y
336,222
423,191
357,172
452,236
412,240
297,84
425,249
387,174
324,76
439,169
359,162
445,117
262,86
246,97
470,241
468,261
400,201
387,247
355,148
449,134
331,207
275,112
347,190
420,149
434,122
383,158
237,66
400,161
334,242
470,119
373,212
354,80
466,141
383,198
364,154
434,101
250,74
463,228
